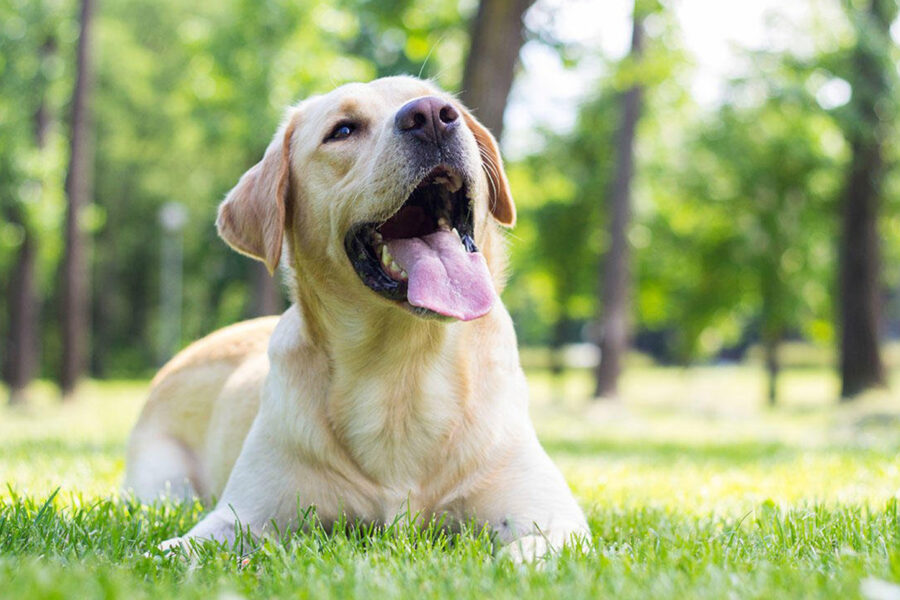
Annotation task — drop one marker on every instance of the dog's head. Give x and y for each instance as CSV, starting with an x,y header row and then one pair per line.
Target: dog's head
x,y
386,191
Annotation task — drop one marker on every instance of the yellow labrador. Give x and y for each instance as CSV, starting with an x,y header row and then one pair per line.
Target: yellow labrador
x,y
392,385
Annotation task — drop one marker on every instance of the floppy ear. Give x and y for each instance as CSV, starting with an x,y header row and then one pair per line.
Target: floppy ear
x,y
501,202
251,218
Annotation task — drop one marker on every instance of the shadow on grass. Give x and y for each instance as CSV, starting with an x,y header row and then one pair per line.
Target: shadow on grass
x,y
742,452
54,446
671,452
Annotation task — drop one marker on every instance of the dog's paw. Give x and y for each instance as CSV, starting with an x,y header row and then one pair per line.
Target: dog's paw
x,y
526,549
176,545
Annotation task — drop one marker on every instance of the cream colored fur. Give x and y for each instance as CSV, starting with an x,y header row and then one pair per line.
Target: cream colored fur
x,y
347,401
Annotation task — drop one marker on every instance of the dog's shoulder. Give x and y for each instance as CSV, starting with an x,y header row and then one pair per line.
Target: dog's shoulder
x,y
298,373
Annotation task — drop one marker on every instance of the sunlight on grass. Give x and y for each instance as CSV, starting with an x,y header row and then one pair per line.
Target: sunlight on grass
x,y
693,487
77,446
697,440
703,441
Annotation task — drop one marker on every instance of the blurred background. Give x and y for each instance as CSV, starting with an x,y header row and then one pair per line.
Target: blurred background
x,y
703,187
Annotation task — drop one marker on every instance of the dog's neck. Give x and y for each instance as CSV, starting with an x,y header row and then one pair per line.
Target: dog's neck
x,y
385,343
399,385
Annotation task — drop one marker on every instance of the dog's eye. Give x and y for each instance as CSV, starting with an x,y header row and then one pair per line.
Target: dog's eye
x,y
341,131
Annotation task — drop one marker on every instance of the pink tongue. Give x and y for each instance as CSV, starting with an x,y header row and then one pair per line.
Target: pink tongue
x,y
443,276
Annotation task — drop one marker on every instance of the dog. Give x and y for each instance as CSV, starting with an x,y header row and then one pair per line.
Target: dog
x,y
392,385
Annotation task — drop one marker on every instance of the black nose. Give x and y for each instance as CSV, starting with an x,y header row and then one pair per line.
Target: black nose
x,y
429,119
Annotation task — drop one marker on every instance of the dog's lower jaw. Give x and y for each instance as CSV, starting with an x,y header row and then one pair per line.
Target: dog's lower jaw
x,y
357,317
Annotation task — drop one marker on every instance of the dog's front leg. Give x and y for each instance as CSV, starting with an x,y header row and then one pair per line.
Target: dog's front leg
x,y
530,508
262,489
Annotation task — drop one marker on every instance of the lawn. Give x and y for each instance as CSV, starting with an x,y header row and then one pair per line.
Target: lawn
x,y
692,488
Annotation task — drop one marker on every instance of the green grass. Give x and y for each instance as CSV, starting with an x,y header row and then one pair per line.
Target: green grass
x,y
692,488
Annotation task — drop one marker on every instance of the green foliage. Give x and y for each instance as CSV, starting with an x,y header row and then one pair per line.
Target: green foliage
x,y
35,53
733,204
753,214
733,228
423,37
558,240
186,98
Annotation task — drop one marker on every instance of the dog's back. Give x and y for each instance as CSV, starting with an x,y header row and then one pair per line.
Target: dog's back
x,y
200,406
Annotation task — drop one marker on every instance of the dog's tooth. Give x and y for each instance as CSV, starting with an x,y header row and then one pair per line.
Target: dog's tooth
x,y
377,237
395,267
404,275
443,223
457,233
386,257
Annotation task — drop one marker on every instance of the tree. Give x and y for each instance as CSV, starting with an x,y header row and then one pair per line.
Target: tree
x,y
75,286
616,275
553,287
871,75
21,352
761,177
22,341
496,38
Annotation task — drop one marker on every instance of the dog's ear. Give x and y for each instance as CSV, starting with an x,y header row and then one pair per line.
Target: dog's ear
x,y
501,202
251,218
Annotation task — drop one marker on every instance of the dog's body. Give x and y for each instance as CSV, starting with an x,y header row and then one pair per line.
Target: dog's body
x,y
362,407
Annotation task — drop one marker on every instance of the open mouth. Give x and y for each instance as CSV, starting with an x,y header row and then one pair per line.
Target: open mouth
x,y
424,255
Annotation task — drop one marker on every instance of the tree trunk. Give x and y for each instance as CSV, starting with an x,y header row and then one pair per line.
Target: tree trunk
x,y
266,298
770,347
75,315
860,253
557,360
616,275
21,348
496,38
24,305
861,366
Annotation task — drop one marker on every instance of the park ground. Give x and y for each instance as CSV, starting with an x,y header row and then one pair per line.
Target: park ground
x,y
692,486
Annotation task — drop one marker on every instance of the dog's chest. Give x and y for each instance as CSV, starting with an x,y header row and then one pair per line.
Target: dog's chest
x,y
398,430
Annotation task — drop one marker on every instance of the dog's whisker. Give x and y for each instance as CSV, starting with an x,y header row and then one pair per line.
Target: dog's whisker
x,y
428,56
